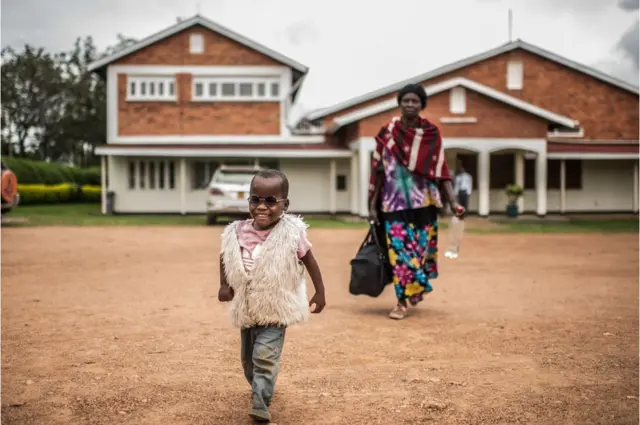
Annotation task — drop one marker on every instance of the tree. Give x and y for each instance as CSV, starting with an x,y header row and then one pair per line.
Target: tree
x,y
53,107
84,121
30,84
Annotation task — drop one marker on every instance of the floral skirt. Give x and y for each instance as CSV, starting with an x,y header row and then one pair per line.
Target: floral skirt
x,y
412,240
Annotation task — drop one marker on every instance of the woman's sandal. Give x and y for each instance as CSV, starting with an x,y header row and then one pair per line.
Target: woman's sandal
x,y
399,312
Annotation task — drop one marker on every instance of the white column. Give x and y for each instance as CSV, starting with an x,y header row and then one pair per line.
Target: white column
x,y
541,183
519,177
483,183
635,187
365,171
353,186
103,183
563,186
183,186
333,176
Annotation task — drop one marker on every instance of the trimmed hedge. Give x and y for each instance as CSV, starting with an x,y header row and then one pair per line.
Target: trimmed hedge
x,y
47,173
37,194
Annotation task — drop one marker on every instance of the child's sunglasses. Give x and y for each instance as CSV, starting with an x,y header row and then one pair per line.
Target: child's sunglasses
x,y
269,201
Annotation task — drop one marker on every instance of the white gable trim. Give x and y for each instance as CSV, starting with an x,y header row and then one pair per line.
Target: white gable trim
x,y
392,103
198,20
518,44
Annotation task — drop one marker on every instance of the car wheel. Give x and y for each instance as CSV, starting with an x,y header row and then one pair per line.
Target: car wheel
x,y
211,219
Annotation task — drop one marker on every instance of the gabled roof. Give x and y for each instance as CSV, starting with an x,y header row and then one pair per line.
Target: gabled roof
x,y
198,20
392,103
518,44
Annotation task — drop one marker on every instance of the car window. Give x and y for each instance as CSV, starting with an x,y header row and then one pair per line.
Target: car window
x,y
234,177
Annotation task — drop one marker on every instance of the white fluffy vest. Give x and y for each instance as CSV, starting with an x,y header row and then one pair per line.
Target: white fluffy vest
x,y
274,293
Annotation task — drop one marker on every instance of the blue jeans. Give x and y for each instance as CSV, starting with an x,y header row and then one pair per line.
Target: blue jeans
x,y
261,348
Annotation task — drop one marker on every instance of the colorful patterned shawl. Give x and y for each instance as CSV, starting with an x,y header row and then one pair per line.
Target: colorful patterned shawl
x,y
419,149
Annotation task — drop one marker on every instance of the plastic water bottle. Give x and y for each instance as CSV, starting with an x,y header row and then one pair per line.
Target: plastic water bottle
x,y
456,231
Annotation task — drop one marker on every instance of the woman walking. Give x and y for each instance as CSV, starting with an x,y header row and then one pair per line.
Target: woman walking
x,y
409,172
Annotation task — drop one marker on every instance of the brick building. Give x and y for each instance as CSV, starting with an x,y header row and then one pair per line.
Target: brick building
x,y
196,95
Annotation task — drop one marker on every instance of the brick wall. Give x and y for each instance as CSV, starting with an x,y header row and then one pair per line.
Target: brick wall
x,y
186,117
605,112
495,119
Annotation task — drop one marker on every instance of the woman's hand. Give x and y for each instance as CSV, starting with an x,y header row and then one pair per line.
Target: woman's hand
x,y
457,209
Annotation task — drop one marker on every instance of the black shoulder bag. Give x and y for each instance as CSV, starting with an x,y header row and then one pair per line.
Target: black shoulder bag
x,y
370,269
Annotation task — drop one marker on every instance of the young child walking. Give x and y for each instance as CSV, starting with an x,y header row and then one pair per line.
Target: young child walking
x,y
262,264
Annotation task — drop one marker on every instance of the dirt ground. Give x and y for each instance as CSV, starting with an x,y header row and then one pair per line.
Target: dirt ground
x,y
122,325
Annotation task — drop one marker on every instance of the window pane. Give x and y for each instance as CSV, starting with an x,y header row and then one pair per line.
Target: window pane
x,y
132,88
152,88
143,177
341,182
132,175
161,88
275,89
272,164
161,175
171,88
199,89
143,88
246,89
228,89
172,175
199,176
262,90
213,89
152,174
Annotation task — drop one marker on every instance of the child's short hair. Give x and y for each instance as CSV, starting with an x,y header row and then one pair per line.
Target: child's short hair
x,y
270,174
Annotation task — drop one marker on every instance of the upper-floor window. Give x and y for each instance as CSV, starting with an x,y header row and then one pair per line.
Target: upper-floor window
x,y
457,100
514,75
235,89
196,43
151,88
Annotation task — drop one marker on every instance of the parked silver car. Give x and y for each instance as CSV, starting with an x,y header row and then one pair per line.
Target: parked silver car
x,y
229,192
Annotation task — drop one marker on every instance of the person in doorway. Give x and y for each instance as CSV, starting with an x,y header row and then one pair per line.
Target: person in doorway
x,y
262,268
408,178
463,185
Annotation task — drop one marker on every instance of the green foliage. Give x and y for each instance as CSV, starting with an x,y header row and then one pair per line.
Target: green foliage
x,y
514,192
53,108
45,173
38,194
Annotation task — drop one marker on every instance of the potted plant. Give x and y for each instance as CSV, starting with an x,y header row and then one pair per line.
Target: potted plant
x,y
514,192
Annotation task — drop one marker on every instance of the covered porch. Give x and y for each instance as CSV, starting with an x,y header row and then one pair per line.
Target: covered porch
x,y
487,197
170,180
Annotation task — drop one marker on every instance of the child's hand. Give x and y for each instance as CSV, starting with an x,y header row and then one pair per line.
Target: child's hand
x,y
225,293
319,301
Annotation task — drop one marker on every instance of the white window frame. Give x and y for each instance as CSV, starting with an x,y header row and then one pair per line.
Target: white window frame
x,y
142,177
196,43
137,82
458,100
218,81
515,75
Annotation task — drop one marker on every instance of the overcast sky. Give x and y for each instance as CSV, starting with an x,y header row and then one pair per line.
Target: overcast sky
x,y
352,46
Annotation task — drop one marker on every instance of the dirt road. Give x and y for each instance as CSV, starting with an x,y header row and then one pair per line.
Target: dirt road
x,y
121,325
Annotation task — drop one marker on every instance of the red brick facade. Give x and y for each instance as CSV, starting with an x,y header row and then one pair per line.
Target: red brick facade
x,y
186,117
218,51
495,119
604,111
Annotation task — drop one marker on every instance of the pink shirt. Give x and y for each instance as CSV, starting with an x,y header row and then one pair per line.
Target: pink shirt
x,y
251,240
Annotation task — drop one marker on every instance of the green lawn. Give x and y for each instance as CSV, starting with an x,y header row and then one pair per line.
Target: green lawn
x,y
89,215
577,225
